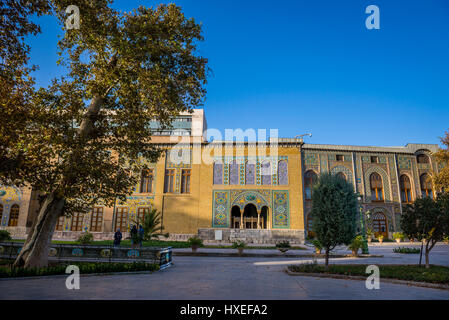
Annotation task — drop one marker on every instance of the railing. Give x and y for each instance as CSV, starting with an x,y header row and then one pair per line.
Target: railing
x,y
96,253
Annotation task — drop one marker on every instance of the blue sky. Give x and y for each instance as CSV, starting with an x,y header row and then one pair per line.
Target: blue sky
x,y
312,66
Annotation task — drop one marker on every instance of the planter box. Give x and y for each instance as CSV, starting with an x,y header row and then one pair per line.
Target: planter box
x,y
93,253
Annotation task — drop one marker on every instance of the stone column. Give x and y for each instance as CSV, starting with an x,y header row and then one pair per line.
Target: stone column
x,y
241,218
258,219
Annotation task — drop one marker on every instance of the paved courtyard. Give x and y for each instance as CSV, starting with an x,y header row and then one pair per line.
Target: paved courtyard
x,y
228,278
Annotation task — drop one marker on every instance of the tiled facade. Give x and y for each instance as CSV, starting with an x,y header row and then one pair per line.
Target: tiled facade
x,y
239,189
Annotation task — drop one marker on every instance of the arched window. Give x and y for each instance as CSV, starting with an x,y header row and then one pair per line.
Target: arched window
x,y
283,173
376,187
341,175
218,173
406,189
265,172
14,215
426,185
422,158
234,173
309,179
250,172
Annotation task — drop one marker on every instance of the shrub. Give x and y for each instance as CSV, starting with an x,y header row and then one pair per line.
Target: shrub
x,y
86,238
398,235
317,244
195,241
369,232
380,237
239,244
356,244
4,235
283,244
84,267
406,250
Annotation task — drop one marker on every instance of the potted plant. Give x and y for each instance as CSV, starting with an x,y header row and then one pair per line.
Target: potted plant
x,y
355,245
380,237
398,236
283,246
369,235
239,245
318,247
194,243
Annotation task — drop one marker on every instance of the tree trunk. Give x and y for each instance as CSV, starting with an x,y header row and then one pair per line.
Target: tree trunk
x,y
326,260
34,252
427,254
420,253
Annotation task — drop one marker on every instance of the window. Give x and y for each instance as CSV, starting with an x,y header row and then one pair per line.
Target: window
x,y
340,157
376,187
77,222
141,213
406,190
60,224
218,173
426,185
96,220
185,181
146,182
422,158
234,173
379,224
374,159
121,219
250,173
309,179
265,172
14,215
169,181
283,173
341,175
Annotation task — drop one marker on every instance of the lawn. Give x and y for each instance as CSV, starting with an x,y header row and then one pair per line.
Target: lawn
x,y
436,274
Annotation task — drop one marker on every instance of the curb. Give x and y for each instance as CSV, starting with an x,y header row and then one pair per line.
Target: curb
x,y
265,255
388,280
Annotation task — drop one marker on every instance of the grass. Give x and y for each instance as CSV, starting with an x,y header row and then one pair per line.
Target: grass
x,y
435,274
85,268
160,243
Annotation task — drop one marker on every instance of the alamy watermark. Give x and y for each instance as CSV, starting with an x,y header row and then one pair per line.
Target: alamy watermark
x,y
73,20
73,280
373,20
373,280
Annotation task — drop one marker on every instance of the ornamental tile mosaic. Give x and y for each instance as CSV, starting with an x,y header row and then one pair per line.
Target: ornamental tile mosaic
x,y
311,158
135,202
281,214
178,158
259,198
221,209
404,163
385,182
345,170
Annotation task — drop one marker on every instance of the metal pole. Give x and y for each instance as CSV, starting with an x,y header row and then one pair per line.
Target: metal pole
x,y
365,242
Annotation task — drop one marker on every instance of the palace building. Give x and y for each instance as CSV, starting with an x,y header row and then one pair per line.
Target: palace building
x,y
243,190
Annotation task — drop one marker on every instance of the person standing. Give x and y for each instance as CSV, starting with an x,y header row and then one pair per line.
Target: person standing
x,y
117,238
133,233
141,232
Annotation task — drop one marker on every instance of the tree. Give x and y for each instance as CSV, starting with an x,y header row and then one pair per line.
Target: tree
x,y
152,225
442,156
427,220
87,133
334,212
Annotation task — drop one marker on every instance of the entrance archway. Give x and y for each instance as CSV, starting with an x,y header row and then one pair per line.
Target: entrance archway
x,y
263,221
380,226
250,216
235,217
